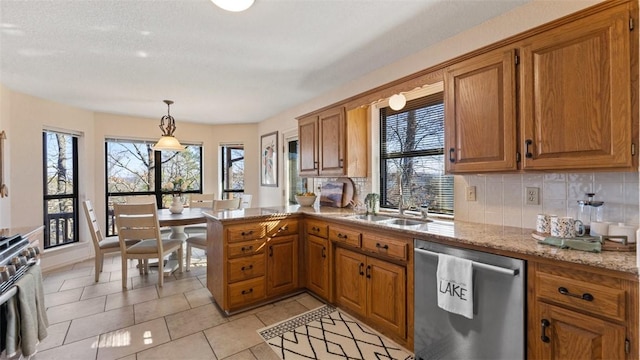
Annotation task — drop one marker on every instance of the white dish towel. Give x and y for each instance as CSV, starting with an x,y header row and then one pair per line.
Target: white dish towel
x,y
455,285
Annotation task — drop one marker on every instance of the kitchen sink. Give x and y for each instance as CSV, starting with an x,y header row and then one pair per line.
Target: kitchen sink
x,y
373,218
390,220
405,222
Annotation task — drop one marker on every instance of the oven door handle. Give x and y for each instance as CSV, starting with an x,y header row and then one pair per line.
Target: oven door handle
x,y
477,265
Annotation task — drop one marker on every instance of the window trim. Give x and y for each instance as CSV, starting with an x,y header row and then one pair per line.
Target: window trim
x,y
385,111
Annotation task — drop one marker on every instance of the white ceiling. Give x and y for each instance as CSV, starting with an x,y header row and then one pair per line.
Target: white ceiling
x,y
126,56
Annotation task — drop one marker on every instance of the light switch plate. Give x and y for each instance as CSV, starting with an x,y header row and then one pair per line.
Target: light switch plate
x,y
471,193
532,196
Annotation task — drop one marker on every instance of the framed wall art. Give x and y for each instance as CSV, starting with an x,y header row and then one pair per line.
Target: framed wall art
x,y
269,159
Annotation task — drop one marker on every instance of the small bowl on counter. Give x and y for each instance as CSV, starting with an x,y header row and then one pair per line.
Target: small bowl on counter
x,y
306,200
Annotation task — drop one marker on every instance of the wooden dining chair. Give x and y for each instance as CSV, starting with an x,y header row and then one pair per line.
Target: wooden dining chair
x,y
101,244
140,222
199,241
203,201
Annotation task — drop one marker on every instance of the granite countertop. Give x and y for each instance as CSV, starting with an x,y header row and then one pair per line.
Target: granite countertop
x,y
505,238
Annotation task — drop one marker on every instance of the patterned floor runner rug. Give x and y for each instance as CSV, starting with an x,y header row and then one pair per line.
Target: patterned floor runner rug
x,y
326,333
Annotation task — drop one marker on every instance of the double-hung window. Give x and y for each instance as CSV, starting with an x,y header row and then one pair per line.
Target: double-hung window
x,y
412,157
232,171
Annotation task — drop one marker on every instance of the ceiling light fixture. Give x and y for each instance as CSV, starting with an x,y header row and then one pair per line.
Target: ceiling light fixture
x,y
397,101
233,5
168,126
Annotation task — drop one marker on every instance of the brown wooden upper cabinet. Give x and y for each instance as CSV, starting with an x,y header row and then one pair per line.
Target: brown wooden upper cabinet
x,y
334,143
480,113
573,90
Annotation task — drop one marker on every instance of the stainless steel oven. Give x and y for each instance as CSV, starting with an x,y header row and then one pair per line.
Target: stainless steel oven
x,y
497,330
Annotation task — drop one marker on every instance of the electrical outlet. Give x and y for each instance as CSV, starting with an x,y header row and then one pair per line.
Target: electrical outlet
x,y
471,193
532,196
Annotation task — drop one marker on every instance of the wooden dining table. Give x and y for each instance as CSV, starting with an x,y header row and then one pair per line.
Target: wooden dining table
x,y
177,222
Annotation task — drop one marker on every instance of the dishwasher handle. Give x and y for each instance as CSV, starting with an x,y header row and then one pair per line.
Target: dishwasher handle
x,y
478,265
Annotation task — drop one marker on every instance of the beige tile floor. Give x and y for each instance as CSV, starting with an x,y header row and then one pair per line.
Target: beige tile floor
x,y
90,320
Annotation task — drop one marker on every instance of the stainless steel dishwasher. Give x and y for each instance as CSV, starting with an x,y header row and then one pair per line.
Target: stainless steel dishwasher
x,y
497,330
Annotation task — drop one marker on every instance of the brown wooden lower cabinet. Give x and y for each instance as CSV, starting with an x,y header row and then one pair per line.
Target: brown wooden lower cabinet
x,y
580,314
372,288
318,266
282,265
566,334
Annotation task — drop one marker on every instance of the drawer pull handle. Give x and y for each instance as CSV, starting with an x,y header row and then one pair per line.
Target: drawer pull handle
x,y
245,292
270,251
250,267
341,236
451,152
385,246
284,228
315,229
585,296
247,233
360,268
368,271
528,153
324,252
248,248
544,324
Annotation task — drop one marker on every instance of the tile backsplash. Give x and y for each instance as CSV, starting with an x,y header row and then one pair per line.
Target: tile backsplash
x,y
500,199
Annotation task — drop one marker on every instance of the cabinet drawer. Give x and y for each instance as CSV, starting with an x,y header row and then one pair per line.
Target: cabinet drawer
x,y
283,227
245,268
383,246
349,237
245,232
246,248
581,295
246,292
317,228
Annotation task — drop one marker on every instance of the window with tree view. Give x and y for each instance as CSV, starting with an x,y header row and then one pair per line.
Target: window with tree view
x,y
232,171
60,158
133,168
412,157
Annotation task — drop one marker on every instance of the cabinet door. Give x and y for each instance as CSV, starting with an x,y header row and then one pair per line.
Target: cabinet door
x,y
480,114
350,281
308,142
318,266
576,94
282,264
386,295
571,335
332,142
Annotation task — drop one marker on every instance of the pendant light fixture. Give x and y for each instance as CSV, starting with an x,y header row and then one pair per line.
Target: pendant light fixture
x,y
168,126
233,5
